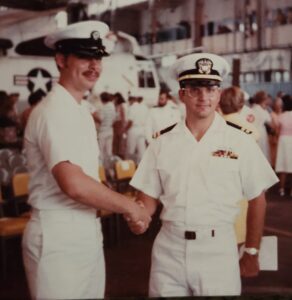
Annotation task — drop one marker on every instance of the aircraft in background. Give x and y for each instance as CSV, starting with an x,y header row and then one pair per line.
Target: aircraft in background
x,y
126,70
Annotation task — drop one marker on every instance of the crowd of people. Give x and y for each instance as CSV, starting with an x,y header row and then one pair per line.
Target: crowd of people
x,y
13,122
125,127
272,119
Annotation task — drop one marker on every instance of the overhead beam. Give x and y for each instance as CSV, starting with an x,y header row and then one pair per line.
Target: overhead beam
x,y
36,5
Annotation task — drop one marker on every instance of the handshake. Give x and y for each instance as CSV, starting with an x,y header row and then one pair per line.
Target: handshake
x,y
139,218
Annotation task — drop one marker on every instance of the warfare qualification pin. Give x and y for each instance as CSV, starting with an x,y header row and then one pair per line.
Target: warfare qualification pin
x,y
204,65
95,35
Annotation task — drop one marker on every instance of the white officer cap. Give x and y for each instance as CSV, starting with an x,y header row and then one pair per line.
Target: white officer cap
x,y
134,93
246,95
200,69
82,39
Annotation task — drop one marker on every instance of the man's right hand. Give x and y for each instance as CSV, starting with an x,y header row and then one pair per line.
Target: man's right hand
x,y
138,219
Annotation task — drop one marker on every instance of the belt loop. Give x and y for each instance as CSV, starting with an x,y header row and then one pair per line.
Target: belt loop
x,y
190,235
213,232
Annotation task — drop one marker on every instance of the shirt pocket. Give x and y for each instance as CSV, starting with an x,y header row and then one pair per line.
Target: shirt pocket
x,y
223,165
169,174
223,179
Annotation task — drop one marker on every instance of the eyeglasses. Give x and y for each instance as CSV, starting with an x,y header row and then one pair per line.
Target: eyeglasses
x,y
196,91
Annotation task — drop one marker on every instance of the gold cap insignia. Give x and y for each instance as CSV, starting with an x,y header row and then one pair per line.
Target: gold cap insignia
x,y
204,65
95,35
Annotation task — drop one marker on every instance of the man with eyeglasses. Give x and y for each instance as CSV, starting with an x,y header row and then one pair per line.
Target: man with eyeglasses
x,y
199,169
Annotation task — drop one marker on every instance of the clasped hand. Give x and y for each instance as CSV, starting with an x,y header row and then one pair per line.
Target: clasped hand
x,y
138,221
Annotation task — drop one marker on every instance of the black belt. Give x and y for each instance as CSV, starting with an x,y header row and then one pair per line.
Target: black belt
x,y
191,235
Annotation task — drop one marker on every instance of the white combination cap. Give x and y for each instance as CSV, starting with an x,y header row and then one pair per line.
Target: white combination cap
x,y
82,38
201,69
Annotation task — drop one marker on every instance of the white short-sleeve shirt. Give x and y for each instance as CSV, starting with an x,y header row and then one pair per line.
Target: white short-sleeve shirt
x,y
59,129
200,183
137,113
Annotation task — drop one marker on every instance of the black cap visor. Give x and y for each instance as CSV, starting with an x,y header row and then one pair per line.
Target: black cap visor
x,y
84,48
199,82
89,54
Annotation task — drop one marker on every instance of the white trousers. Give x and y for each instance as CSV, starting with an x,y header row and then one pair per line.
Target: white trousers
x,y
105,142
136,143
206,266
63,255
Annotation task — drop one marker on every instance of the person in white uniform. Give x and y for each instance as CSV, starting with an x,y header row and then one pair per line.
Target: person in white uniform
x,y
107,116
262,119
63,243
137,114
283,158
199,170
165,114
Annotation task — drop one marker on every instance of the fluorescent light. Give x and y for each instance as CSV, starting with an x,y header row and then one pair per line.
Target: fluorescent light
x,y
120,3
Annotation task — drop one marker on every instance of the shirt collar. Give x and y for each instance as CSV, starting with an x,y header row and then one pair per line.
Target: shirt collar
x,y
217,126
66,96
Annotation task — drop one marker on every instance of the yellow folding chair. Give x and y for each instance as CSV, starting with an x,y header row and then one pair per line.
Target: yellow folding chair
x,y
124,171
20,182
101,172
9,228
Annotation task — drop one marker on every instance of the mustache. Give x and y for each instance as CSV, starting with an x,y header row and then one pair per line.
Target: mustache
x,y
92,72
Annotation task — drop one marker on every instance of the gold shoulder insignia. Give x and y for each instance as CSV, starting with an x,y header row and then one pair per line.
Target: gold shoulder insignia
x,y
156,135
246,131
159,133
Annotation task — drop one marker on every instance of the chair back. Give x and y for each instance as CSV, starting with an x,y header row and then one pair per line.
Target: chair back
x,y
5,154
20,183
19,169
16,160
125,169
4,176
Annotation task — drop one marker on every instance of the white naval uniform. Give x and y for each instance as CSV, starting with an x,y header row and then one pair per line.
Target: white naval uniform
x,y
262,116
200,191
284,159
160,118
136,143
105,131
62,243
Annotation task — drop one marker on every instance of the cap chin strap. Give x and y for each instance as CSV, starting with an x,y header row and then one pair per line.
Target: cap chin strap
x,y
199,83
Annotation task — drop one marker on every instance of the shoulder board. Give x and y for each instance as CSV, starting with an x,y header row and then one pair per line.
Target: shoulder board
x,y
238,127
167,129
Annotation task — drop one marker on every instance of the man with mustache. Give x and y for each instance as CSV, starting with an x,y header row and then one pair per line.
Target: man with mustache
x,y
63,243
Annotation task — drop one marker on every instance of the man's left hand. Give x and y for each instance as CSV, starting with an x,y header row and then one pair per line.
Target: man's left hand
x,y
249,265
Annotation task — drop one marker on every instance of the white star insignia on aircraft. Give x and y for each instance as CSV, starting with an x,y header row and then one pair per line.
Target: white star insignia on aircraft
x,y
39,82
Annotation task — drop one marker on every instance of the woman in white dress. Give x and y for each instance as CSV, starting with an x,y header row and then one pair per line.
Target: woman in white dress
x,y
262,119
284,157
